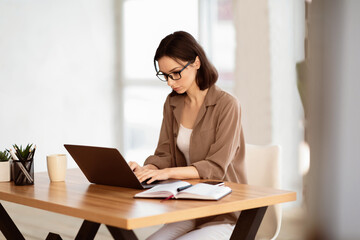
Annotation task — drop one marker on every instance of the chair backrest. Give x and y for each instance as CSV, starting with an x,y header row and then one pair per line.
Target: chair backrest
x,y
263,169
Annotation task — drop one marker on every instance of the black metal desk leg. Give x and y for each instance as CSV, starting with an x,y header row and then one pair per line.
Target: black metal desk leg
x,y
248,224
8,227
121,234
87,230
53,236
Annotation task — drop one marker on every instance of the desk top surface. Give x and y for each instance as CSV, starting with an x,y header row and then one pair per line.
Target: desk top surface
x,y
116,206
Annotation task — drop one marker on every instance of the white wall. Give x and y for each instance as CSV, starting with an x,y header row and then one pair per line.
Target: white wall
x,y
252,69
286,23
56,75
270,37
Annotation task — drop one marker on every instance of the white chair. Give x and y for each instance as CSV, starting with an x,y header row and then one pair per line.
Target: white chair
x,y
263,169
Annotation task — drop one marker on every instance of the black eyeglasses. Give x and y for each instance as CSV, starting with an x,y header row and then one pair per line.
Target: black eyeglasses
x,y
174,75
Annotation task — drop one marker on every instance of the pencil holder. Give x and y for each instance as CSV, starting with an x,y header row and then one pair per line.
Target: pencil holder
x,y
11,170
23,172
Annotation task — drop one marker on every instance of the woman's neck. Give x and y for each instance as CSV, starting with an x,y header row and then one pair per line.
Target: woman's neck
x,y
195,96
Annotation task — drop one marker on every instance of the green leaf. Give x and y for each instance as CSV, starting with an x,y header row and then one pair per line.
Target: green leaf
x,y
21,153
4,156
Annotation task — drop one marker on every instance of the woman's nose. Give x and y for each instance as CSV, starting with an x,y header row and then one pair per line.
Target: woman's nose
x,y
170,82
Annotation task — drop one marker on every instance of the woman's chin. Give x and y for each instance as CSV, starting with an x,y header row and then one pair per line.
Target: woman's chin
x,y
179,90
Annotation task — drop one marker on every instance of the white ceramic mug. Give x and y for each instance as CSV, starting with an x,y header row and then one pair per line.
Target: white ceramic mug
x,y
56,165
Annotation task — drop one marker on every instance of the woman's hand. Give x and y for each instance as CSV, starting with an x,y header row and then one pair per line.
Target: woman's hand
x,y
142,173
134,166
153,174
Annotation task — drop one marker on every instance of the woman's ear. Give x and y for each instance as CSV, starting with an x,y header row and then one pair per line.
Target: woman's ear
x,y
197,62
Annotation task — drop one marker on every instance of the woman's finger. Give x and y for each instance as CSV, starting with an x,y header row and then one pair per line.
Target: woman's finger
x,y
153,175
134,166
148,174
142,175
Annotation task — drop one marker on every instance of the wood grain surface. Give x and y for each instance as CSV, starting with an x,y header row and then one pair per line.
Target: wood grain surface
x,y
116,206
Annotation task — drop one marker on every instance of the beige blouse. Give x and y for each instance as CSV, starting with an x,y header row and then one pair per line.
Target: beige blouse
x,y
217,146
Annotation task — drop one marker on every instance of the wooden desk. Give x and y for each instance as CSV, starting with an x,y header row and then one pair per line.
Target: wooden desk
x,y
120,212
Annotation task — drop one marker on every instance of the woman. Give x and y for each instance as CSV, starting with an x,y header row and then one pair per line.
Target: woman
x,y
201,134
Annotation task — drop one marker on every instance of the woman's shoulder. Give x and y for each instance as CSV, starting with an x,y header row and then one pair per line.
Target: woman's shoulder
x,y
223,97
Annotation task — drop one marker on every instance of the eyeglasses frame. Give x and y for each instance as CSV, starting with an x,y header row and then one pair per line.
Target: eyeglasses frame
x,y
169,75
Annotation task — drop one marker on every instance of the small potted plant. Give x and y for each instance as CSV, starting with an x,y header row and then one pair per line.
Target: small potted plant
x,y
4,166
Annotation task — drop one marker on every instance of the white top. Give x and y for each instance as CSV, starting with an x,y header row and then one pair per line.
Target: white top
x,y
183,142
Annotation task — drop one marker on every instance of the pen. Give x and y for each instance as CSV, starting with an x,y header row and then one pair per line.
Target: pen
x,y
21,166
14,157
34,149
27,175
29,155
179,189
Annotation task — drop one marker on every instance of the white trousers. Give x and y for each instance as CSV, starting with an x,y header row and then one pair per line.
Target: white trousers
x,y
185,230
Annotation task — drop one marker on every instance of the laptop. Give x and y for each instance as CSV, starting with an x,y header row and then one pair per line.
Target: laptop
x,y
105,166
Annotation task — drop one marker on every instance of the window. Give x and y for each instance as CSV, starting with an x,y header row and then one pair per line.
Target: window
x,y
217,35
146,22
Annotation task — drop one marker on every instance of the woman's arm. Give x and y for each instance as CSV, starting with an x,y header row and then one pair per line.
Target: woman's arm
x,y
162,157
227,141
135,167
149,171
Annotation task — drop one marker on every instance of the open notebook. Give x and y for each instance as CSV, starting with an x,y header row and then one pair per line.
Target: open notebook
x,y
201,191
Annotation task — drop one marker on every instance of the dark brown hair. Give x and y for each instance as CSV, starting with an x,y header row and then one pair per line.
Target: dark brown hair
x,y
181,45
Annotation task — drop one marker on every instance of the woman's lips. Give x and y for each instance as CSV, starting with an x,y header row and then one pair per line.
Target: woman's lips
x,y
176,89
